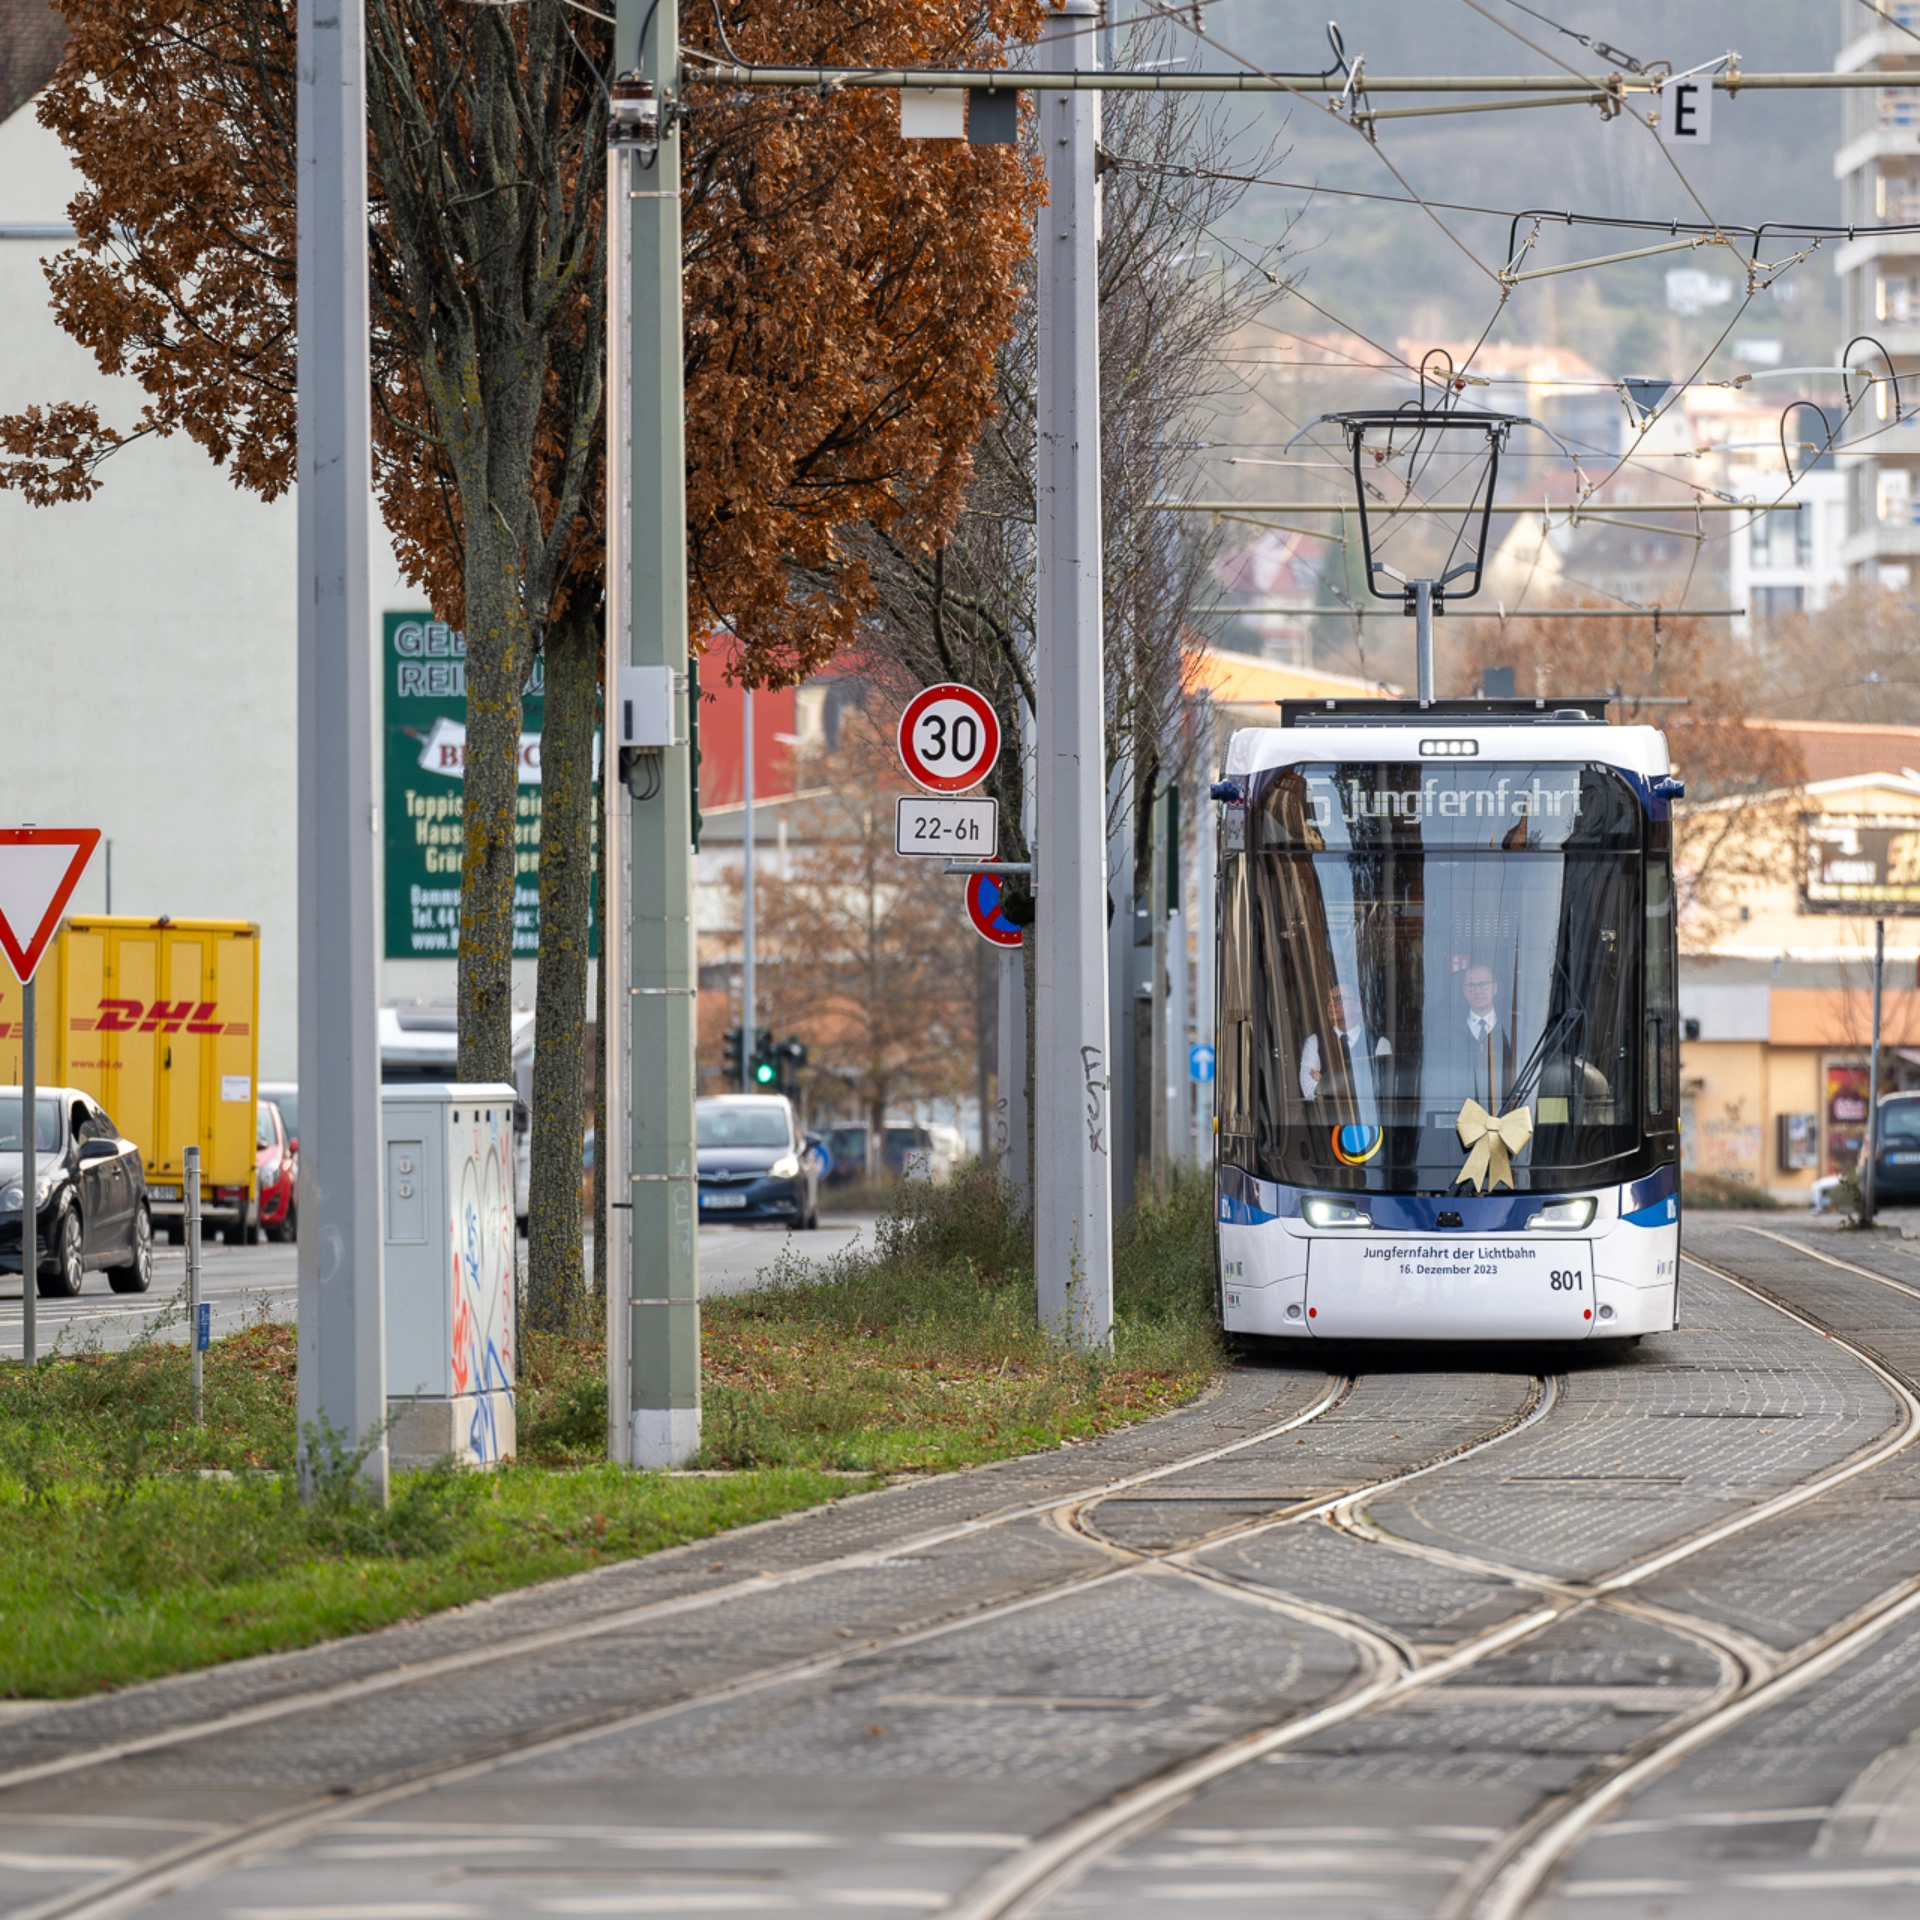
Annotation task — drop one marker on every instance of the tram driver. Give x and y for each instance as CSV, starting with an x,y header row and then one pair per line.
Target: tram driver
x,y
1327,1060
1479,1049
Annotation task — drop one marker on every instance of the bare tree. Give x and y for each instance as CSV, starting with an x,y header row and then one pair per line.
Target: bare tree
x,y
861,951
1736,824
1173,290
1853,660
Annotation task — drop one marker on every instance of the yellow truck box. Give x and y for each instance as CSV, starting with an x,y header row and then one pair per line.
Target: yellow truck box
x,y
159,1021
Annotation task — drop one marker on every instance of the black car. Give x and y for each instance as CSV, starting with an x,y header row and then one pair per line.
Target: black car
x,y
1896,1157
93,1194
755,1164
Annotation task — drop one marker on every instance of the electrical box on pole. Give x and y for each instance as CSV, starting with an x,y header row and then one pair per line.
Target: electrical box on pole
x,y
342,1305
653,1308
1073,1204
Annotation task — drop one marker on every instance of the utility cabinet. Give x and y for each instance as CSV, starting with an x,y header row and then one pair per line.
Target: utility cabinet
x,y
446,1155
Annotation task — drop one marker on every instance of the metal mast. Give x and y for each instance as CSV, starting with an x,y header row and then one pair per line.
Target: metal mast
x,y
1073,1219
653,1306
342,1370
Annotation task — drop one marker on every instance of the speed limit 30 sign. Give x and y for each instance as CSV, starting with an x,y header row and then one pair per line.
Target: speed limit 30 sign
x,y
949,738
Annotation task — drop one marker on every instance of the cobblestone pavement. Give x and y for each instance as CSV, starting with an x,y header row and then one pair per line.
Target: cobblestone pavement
x,y
889,1705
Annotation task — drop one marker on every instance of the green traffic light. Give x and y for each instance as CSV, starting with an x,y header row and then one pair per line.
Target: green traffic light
x,y
763,1071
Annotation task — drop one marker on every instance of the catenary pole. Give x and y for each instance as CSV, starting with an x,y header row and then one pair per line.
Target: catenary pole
x,y
1073,1220
1158,1091
1867,1180
653,1358
749,1002
1120,1062
342,1301
1010,1128
1204,910
1179,1103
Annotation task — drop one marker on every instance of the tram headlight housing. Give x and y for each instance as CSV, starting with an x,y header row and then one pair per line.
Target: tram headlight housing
x,y
1334,1213
1565,1216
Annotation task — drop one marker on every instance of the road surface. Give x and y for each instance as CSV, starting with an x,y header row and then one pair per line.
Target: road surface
x,y
242,1283
1468,1633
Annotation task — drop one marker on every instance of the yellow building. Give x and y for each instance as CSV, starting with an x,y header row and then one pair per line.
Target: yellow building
x,y
1777,1012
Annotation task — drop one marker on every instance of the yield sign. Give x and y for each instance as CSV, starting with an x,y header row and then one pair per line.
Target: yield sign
x,y
39,869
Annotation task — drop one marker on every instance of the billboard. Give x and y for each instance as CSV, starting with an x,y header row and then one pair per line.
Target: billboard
x,y
423,687
1861,863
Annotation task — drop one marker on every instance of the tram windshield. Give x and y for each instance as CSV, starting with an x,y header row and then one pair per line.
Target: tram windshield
x,y
1402,939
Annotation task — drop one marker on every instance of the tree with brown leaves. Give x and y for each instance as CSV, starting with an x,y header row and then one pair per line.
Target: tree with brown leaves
x,y
847,293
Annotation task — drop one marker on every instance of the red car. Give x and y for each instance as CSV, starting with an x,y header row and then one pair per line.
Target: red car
x,y
277,1158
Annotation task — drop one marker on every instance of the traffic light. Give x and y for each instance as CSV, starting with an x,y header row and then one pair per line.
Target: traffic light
x,y
734,1064
765,1070
789,1057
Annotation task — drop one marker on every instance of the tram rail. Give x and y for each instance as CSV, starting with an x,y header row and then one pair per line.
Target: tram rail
x,y
1499,1886
195,1861
1512,1871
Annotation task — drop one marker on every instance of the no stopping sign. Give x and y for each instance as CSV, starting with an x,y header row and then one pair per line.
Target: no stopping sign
x,y
984,910
949,738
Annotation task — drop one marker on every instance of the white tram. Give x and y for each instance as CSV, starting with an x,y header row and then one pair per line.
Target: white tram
x,y
1448,1050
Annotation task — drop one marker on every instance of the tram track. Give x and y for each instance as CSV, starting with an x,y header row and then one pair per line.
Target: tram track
x,y
198,1860
1502,1883
1498,1887
194,1861
420,1673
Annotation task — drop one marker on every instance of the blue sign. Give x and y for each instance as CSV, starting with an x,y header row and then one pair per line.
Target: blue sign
x,y
203,1332
1200,1063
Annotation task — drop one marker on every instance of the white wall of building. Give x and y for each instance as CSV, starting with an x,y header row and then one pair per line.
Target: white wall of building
x,y
1791,559
147,648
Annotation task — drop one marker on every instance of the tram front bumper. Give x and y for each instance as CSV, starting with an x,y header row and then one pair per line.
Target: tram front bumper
x,y
1614,1277
1368,1286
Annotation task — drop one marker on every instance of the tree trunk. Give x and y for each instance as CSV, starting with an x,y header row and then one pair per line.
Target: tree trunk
x,y
498,663
556,1280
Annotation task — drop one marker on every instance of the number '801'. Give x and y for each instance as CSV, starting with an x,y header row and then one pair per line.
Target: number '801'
x,y
1574,1282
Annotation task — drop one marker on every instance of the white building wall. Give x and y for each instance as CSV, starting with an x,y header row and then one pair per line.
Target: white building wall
x,y
1878,168
1788,559
147,648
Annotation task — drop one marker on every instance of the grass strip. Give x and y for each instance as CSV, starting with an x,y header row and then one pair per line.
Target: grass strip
x,y
133,1544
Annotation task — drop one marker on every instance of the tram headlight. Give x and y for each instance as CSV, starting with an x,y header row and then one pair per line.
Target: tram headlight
x,y
1564,1215
1334,1213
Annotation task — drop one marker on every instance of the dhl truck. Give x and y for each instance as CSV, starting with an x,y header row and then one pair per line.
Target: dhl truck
x,y
159,1021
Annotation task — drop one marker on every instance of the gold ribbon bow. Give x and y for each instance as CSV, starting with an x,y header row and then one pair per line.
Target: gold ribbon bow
x,y
1491,1144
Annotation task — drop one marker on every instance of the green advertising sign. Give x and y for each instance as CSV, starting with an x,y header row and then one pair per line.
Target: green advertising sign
x,y
423,679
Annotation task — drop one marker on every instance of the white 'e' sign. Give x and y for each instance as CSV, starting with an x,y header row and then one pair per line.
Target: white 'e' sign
x,y
1686,112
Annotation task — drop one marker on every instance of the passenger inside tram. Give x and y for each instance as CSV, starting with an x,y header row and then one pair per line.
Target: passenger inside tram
x,y
1327,1060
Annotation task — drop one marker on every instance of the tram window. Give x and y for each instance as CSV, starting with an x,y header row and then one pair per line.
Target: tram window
x,y
1663,1049
1402,939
